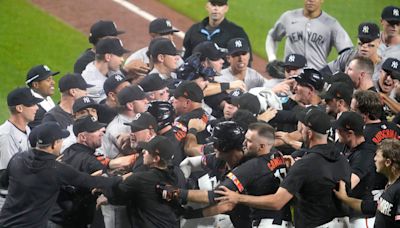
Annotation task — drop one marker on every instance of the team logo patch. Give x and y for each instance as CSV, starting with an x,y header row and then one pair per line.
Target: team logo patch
x,y
86,100
292,58
396,12
119,78
238,44
235,181
394,64
46,67
168,23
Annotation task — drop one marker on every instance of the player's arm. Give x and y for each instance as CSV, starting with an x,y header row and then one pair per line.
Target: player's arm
x,y
268,202
354,180
190,164
350,201
218,87
274,36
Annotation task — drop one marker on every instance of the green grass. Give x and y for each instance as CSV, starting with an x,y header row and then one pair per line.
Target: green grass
x,y
29,36
258,16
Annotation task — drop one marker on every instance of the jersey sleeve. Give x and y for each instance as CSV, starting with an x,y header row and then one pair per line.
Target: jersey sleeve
x,y
7,149
361,163
296,177
279,29
340,63
341,39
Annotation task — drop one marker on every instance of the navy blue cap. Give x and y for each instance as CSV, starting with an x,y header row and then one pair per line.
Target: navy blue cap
x,y
160,146
237,45
161,26
391,13
143,121
129,94
22,96
208,50
47,133
83,103
295,61
72,81
368,32
87,124
392,66
113,81
111,45
39,73
102,29
311,77
153,82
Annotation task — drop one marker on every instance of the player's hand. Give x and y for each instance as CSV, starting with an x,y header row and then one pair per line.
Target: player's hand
x,y
341,191
167,192
126,175
283,87
227,195
268,115
101,200
237,84
97,173
124,141
289,160
197,124
137,67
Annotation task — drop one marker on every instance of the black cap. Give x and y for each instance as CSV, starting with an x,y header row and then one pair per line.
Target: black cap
x,y
129,94
208,50
237,45
368,32
143,121
161,146
22,96
350,121
72,81
161,26
392,66
87,124
83,103
340,77
189,90
218,2
391,13
193,69
276,69
339,90
153,82
235,94
47,133
111,45
39,73
315,119
311,77
162,46
295,61
102,29
247,101
112,82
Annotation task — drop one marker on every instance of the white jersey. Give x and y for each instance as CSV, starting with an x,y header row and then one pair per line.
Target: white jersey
x,y
252,78
94,77
12,141
139,55
113,130
313,38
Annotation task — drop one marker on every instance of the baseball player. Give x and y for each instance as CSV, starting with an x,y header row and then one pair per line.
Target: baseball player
x,y
310,32
390,36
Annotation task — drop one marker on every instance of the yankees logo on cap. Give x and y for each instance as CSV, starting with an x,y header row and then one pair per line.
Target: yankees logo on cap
x,y
238,45
161,26
391,14
295,61
392,67
368,32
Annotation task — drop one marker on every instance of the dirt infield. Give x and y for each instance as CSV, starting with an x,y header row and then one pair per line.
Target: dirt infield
x,y
81,14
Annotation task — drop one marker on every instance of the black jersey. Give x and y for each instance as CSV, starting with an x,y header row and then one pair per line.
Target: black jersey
x,y
312,180
261,175
376,132
181,125
388,211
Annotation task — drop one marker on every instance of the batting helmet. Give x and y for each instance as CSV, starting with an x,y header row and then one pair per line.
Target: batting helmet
x,y
228,135
163,111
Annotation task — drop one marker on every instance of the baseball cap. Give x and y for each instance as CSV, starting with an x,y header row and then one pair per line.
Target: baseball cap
x,y
368,32
162,46
237,45
295,61
311,77
161,26
208,50
113,81
350,121
87,124
391,13
111,45
218,2
339,90
340,77
39,73
83,103
22,96
47,133
143,121
129,94
189,90
315,119
102,29
153,82
247,101
392,66
233,94
276,69
72,81
193,69
161,146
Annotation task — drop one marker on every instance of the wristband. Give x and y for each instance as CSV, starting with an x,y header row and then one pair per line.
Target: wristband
x,y
183,194
224,86
192,131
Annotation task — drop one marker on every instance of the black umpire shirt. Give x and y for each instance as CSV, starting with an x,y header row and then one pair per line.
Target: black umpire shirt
x,y
312,180
146,207
35,178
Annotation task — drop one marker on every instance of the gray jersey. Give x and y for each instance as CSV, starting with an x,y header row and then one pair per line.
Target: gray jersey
x,y
12,141
139,55
340,63
313,38
94,77
252,79
386,52
113,130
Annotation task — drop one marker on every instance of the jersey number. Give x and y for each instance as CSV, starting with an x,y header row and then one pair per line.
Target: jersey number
x,y
280,173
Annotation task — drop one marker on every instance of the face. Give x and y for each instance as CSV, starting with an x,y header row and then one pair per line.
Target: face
x,y
386,83
239,61
354,105
354,73
368,50
201,82
331,106
57,147
162,94
215,12
290,71
181,105
305,133
252,144
229,110
86,112
114,62
390,28
29,112
343,136
148,159
78,93
215,64
313,5
44,87
140,136
140,105
171,61
380,162
93,139
303,93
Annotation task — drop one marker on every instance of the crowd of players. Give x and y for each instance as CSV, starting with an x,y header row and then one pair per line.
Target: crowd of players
x,y
198,138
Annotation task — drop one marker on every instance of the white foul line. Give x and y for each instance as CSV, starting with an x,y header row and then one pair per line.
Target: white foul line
x,y
131,7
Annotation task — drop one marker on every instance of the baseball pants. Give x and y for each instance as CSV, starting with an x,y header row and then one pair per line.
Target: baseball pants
x,y
268,223
342,222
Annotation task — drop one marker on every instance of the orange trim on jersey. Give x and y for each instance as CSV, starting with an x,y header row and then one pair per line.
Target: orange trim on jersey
x,y
236,181
276,162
